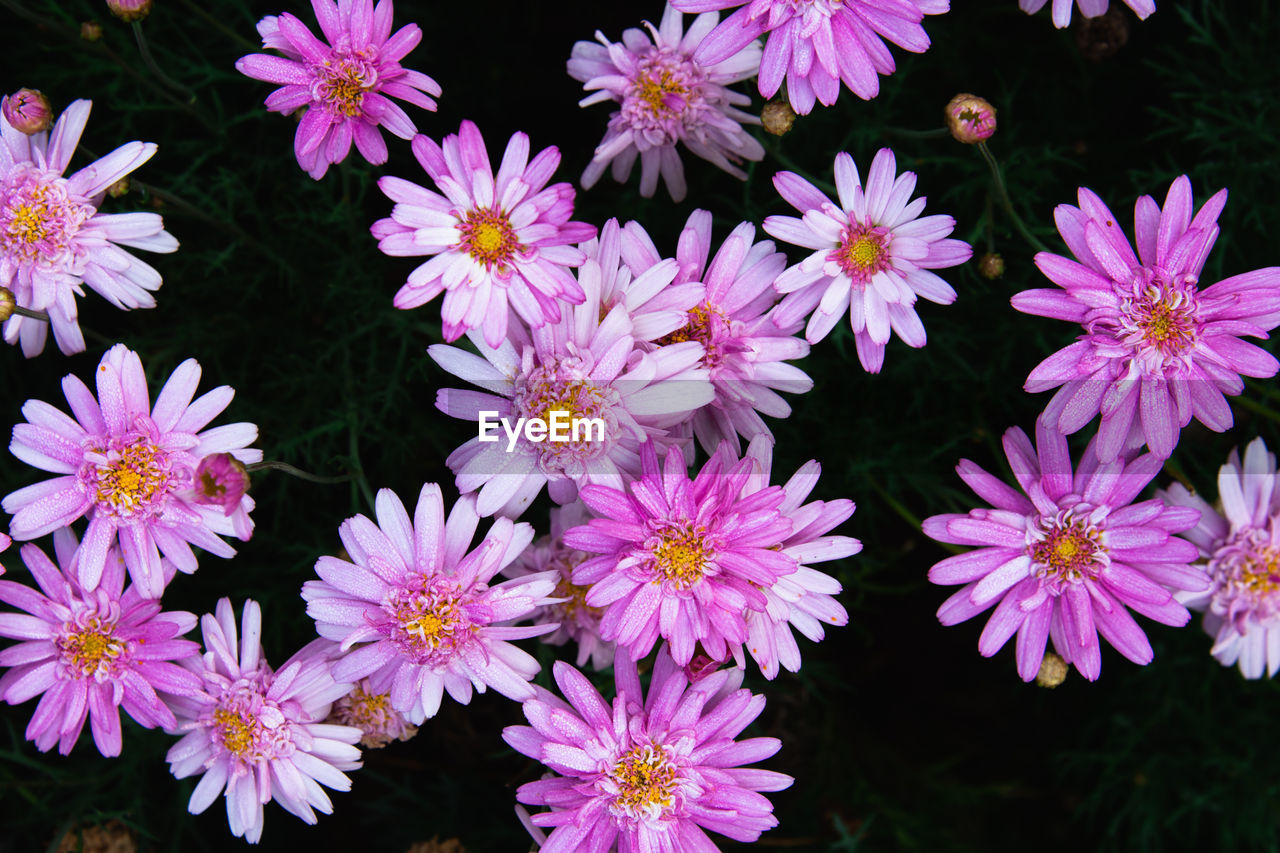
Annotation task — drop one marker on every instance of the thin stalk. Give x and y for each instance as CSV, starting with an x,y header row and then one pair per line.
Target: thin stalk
x,y
150,62
1002,193
905,514
908,133
268,465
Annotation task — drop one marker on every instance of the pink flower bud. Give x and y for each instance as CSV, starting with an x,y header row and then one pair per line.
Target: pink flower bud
x,y
27,111
221,480
129,10
970,118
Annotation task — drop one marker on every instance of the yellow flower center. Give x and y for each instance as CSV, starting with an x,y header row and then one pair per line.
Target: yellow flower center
x,y
680,558
237,731
28,222
655,91
1069,551
91,649
133,479
697,329
864,253
1260,572
646,781
487,236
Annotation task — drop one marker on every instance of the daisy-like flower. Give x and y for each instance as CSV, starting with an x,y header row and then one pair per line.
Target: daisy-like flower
x,y
1240,541
1157,349
744,350
346,85
666,98
585,369
53,240
129,468
414,610
805,599
371,712
258,733
499,242
1066,558
90,652
647,773
815,44
681,559
579,622
1088,8
872,256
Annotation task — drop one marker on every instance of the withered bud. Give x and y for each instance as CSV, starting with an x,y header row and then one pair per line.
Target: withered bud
x,y
435,845
7,303
129,10
110,837
777,116
991,266
1102,37
1053,670
91,31
119,189
970,119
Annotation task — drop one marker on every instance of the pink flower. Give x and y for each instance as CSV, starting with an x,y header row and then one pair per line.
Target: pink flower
x,y
1241,542
414,610
27,111
371,713
681,559
1067,559
805,599
744,351
1088,8
221,480
816,44
90,652
665,98
499,241
1157,349
346,85
647,774
583,367
257,732
872,256
53,239
578,621
130,469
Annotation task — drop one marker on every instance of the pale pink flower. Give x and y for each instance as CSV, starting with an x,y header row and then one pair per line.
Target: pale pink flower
x,y
413,608
1067,557
872,259
258,733
344,86
129,468
53,240
815,44
500,242
1241,542
1088,8
370,711
666,98
90,653
1157,350
647,773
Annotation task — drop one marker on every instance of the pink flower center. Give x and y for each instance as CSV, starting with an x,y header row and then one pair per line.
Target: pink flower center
x,y
1065,550
248,725
562,391
131,478
89,648
427,622
643,783
342,80
1159,320
681,554
664,96
372,714
38,217
487,236
863,252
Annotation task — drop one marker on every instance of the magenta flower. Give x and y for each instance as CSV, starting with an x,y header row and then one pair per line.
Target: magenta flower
x,y
257,732
872,256
1241,542
578,621
344,86
647,774
53,239
221,480
90,652
583,367
130,468
816,44
666,98
654,292
27,111
1067,559
414,610
681,559
1088,8
499,241
1157,350
371,713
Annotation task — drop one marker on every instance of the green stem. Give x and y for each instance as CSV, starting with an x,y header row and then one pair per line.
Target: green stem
x,y
213,21
905,514
1260,409
295,472
1002,193
907,133
150,62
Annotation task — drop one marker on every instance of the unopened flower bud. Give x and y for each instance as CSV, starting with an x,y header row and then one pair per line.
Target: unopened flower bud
x,y
1053,670
970,118
129,10
91,31
777,116
1103,36
221,480
991,266
120,188
7,303
700,666
110,837
27,111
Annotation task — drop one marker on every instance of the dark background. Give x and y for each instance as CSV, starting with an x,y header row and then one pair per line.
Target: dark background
x,y
900,736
